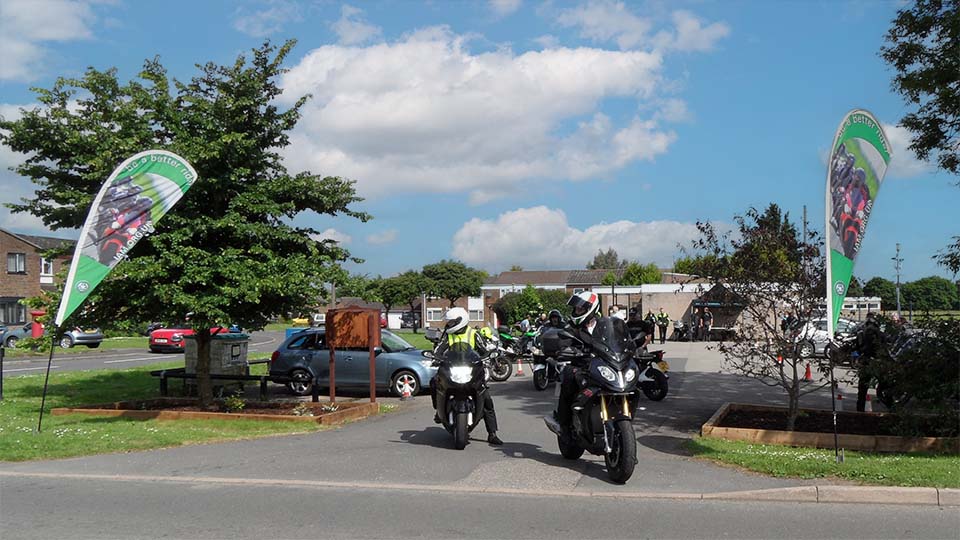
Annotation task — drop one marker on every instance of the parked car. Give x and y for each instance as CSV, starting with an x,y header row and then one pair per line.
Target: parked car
x,y
811,337
171,339
304,356
92,337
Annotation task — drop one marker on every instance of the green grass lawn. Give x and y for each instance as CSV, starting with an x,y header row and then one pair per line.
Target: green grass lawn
x,y
78,435
929,470
135,342
417,340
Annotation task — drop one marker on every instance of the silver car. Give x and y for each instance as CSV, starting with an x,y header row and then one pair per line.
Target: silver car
x,y
812,338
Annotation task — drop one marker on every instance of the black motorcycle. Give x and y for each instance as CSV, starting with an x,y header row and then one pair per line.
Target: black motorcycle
x,y
460,387
608,396
546,369
653,375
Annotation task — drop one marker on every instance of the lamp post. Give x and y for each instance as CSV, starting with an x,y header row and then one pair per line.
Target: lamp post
x,y
896,263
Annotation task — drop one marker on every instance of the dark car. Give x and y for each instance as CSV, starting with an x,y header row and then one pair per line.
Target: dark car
x,y
304,356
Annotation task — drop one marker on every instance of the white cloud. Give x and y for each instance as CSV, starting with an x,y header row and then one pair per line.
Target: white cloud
x,y
26,24
504,7
351,29
903,162
332,234
384,237
270,19
611,21
548,41
691,35
541,237
426,114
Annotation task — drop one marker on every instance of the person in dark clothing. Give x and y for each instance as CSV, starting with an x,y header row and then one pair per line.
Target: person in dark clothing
x,y
869,342
696,325
585,307
458,332
706,323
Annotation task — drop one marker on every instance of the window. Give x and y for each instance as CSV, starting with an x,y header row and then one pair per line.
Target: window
x,y
12,312
310,340
476,314
16,263
46,267
434,314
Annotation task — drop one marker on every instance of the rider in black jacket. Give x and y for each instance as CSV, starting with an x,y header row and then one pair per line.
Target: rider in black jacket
x,y
585,308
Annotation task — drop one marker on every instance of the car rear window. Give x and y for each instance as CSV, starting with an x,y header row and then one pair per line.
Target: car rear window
x,y
312,340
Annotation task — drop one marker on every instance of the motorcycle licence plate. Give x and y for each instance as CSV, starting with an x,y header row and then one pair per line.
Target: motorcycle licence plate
x,y
663,366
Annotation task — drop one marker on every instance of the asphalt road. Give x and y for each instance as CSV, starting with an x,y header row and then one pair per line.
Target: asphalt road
x,y
117,358
397,476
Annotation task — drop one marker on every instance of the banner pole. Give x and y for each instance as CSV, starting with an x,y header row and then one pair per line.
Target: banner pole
x,y
46,379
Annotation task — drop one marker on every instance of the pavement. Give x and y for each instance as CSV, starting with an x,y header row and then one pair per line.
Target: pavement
x,y
404,451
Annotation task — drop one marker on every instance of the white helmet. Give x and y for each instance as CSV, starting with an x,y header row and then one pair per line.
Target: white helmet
x,y
457,319
584,306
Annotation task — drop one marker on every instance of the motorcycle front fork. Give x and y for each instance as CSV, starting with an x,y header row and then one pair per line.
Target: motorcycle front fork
x,y
607,425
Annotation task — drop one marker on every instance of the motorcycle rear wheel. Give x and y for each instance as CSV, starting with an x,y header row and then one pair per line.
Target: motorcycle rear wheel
x,y
655,390
623,456
540,381
569,449
500,369
460,431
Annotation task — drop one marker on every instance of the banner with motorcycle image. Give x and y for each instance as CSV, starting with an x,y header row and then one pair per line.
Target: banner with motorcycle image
x,y
858,161
133,199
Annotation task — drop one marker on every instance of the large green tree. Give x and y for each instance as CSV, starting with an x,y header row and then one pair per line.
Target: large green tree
x,y
923,46
883,288
228,251
930,293
606,260
638,274
452,280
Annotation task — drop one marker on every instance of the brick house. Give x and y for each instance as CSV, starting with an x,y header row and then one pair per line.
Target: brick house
x,y
28,273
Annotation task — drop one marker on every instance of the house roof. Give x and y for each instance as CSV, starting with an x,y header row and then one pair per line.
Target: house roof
x,y
42,242
591,277
533,277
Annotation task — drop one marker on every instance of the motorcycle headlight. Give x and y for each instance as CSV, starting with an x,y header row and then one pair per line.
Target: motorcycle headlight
x,y
630,375
461,374
426,363
607,373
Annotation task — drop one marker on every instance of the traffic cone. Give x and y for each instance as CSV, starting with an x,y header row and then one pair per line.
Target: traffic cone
x,y
779,359
406,395
520,366
868,406
808,376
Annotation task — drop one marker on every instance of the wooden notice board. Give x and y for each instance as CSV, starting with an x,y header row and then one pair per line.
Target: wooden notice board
x,y
353,328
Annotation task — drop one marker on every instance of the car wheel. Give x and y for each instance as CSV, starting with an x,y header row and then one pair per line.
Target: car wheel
x,y
404,378
302,383
66,342
12,342
805,349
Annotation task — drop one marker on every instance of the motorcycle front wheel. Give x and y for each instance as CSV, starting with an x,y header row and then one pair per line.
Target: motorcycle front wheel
x,y
656,389
460,431
623,454
501,369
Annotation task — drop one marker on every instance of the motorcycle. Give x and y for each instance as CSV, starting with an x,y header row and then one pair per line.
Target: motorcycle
x,y
608,396
681,331
546,369
653,375
460,387
501,366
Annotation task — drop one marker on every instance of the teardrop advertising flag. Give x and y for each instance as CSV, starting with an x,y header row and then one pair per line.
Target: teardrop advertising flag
x,y
858,161
133,199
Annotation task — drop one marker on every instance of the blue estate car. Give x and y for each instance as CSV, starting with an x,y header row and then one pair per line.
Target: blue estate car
x,y
305,355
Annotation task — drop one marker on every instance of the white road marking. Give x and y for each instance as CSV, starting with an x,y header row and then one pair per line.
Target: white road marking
x,y
29,368
128,360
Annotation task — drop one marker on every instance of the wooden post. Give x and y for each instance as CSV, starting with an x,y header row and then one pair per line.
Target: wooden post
x,y
373,327
333,384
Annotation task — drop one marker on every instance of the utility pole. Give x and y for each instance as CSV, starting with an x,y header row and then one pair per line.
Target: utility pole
x,y
896,263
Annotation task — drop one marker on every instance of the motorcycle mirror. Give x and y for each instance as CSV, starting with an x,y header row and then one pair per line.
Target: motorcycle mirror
x,y
428,354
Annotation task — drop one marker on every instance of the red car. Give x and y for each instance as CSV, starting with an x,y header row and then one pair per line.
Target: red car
x,y
171,339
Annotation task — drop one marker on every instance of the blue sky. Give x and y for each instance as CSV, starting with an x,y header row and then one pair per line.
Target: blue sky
x,y
532,133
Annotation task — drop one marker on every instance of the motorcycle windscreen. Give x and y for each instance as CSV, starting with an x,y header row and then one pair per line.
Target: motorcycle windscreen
x,y
611,336
461,353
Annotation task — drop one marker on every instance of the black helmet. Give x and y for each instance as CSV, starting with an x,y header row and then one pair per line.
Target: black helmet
x,y
555,314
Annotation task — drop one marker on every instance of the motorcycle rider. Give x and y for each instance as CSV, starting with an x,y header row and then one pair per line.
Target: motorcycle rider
x,y
585,307
555,319
457,330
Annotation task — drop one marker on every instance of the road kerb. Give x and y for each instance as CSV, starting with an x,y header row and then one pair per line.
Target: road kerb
x,y
808,494
878,495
